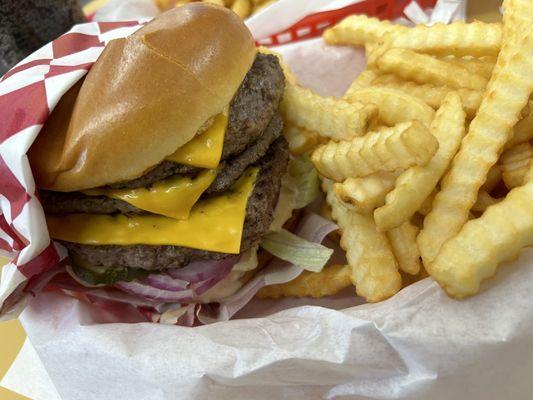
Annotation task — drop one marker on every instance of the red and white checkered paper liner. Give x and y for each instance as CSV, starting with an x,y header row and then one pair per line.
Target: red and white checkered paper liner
x,y
28,94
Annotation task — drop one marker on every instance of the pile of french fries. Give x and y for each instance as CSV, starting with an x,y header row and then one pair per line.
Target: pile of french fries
x,y
243,8
426,161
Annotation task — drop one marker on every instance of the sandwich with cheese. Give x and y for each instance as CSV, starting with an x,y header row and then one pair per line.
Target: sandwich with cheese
x,y
160,172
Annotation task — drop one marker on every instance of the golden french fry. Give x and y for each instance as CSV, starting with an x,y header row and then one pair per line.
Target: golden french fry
x,y
405,248
431,94
329,117
331,280
507,93
300,139
359,30
522,132
399,147
242,8
289,76
484,201
395,106
364,80
366,194
480,66
514,164
373,52
476,39
217,2
529,175
416,184
423,68
475,252
259,6
179,3
374,270
425,207
493,178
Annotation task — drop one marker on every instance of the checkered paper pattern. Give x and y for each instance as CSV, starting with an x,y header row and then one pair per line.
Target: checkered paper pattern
x,y
28,94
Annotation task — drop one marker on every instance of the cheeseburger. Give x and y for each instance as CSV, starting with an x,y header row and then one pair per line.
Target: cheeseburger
x,y
161,170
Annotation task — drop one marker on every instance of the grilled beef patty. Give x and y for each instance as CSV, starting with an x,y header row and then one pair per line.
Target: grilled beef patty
x,y
259,216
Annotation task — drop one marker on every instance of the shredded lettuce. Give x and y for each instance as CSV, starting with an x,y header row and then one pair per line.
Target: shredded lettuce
x,y
299,187
301,252
248,260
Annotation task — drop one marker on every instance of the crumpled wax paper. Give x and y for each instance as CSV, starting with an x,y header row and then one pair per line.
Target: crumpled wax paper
x,y
420,344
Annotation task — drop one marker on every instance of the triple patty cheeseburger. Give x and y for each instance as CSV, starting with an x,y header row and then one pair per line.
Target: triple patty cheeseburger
x,y
163,167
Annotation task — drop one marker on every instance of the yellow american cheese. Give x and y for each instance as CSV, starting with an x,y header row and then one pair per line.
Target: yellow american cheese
x,y
205,150
173,197
214,224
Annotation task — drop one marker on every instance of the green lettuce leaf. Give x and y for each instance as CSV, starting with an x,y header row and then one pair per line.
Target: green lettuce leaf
x,y
301,252
299,187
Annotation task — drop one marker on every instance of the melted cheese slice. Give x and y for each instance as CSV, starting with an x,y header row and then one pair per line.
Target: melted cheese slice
x,y
214,224
173,197
205,150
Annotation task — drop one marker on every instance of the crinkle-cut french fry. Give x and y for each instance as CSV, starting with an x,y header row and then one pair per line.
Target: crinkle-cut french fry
x,y
475,252
476,39
405,248
177,4
259,6
373,52
423,68
484,201
394,105
374,269
416,184
329,117
431,94
515,177
506,95
399,147
364,80
217,2
480,66
289,75
425,207
329,281
514,164
300,139
493,178
366,194
522,132
360,29
242,8
529,174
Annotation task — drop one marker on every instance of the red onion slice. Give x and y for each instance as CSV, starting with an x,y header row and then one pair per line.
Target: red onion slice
x,y
314,228
200,270
166,282
151,293
223,270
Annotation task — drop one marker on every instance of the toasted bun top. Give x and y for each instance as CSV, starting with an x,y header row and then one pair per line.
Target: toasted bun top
x,y
146,96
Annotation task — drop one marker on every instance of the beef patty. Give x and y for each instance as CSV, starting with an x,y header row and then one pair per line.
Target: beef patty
x,y
252,108
230,171
259,216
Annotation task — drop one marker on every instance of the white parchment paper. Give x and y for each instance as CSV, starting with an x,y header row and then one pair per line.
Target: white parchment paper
x,y
420,344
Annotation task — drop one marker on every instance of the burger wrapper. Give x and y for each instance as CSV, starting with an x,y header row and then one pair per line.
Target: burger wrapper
x,y
419,344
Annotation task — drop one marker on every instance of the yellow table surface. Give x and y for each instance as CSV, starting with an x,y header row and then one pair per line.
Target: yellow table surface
x,y
11,333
